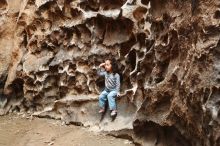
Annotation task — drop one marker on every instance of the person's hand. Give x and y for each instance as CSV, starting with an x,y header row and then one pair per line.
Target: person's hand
x,y
102,65
118,94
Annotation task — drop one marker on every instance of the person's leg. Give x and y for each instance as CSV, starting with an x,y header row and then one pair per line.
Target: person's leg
x,y
102,99
111,100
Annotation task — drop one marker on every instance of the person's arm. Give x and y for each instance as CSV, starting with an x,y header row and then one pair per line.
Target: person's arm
x,y
118,84
100,71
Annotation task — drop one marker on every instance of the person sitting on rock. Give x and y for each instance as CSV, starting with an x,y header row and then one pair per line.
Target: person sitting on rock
x,y
109,69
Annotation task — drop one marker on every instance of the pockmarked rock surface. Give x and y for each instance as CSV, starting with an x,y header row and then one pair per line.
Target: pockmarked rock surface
x,y
168,51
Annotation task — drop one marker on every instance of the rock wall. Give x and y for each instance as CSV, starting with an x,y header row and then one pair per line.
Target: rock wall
x,y
169,52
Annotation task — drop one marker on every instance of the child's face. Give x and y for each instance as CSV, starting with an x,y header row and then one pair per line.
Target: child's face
x,y
108,66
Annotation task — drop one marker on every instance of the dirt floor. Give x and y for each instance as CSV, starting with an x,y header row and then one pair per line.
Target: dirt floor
x,y
20,131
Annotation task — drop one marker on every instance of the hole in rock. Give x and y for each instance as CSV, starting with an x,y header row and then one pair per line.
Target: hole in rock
x,y
157,27
72,68
157,6
132,59
90,5
31,2
194,5
126,83
165,39
47,6
141,38
141,54
160,135
53,69
111,4
25,39
71,81
126,46
149,44
145,2
75,13
63,90
51,80
100,82
37,98
3,5
139,13
16,88
217,14
85,33
30,82
218,141
116,31
212,30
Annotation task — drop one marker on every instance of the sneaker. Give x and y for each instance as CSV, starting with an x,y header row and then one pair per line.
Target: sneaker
x,y
102,110
113,113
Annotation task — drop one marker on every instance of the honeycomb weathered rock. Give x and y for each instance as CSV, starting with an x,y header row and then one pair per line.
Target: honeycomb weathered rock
x,y
169,52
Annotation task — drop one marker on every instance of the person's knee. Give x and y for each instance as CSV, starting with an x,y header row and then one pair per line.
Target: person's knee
x,y
111,96
102,96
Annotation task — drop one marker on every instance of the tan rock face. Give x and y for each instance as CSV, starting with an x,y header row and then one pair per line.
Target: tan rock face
x,y
168,51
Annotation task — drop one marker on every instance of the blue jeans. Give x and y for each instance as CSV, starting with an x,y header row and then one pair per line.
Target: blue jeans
x,y
110,95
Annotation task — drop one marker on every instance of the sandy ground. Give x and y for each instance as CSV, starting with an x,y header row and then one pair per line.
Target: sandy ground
x,y
18,131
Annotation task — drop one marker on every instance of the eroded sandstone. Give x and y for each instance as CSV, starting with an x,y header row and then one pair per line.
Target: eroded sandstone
x,y
169,54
